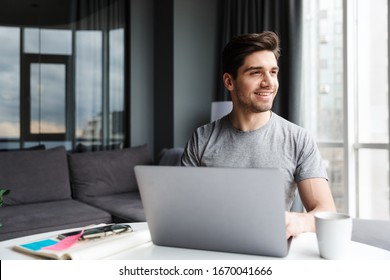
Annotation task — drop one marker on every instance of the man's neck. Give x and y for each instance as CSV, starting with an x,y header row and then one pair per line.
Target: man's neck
x,y
249,122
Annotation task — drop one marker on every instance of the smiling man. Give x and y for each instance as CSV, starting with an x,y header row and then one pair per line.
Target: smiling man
x,y
253,136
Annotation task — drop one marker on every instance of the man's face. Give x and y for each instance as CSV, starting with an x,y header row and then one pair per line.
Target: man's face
x,y
256,85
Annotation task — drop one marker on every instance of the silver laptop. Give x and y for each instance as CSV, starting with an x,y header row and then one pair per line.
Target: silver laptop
x,y
235,210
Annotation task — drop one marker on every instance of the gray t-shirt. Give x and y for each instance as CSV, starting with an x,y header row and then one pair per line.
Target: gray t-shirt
x,y
278,144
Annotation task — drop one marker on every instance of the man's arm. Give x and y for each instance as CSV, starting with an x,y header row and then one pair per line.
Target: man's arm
x,y
316,196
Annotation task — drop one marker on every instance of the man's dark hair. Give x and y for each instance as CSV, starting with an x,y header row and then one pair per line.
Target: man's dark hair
x,y
238,48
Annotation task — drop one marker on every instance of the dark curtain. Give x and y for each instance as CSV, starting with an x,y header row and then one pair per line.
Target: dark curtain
x,y
284,17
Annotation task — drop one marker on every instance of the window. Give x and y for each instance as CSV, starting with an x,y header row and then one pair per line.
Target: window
x,y
346,106
10,86
65,84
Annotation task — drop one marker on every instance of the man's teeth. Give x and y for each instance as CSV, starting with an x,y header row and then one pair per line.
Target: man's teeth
x,y
263,93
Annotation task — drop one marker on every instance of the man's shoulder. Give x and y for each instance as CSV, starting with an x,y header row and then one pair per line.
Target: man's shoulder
x,y
291,129
286,123
208,128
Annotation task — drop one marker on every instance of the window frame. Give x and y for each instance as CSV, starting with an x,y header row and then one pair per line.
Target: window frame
x,y
25,96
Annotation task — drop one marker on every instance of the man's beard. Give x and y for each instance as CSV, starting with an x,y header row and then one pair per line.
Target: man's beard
x,y
252,107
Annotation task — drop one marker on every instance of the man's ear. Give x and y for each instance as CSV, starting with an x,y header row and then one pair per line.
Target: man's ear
x,y
228,81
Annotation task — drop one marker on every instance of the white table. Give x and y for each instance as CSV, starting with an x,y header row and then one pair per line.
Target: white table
x,y
303,247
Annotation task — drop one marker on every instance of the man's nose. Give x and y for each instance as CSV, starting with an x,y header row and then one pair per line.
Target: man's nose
x,y
266,80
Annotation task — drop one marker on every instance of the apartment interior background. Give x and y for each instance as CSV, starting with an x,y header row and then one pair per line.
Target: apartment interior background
x,y
109,74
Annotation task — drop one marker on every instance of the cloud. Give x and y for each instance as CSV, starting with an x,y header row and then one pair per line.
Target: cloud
x,y
46,127
9,130
12,130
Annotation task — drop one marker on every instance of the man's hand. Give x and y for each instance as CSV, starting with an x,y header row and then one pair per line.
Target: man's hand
x,y
297,223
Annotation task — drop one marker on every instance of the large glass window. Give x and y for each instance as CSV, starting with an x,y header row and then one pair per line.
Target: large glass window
x,y
48,96
117,82
47,41
323,87
373,178
372,109
346,104
89,86
372,71
65,84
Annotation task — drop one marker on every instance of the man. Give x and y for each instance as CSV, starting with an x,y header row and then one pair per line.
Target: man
x,y
253,136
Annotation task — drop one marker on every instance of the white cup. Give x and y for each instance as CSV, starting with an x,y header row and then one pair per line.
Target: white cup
x,y
333,232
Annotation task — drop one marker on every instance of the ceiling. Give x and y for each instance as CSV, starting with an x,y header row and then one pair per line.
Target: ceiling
x,y
47,12
34,12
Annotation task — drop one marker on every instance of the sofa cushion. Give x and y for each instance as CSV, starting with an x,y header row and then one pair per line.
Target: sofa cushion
x,y
170,157
106,172
35,218
35,176
124,207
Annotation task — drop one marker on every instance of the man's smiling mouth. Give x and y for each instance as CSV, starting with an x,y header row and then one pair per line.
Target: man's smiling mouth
x,y
263,93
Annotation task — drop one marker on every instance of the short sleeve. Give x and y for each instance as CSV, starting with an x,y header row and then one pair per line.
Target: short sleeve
x,y
309,162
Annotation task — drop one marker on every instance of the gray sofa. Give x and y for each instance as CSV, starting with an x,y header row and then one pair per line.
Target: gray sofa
x,y
53,189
